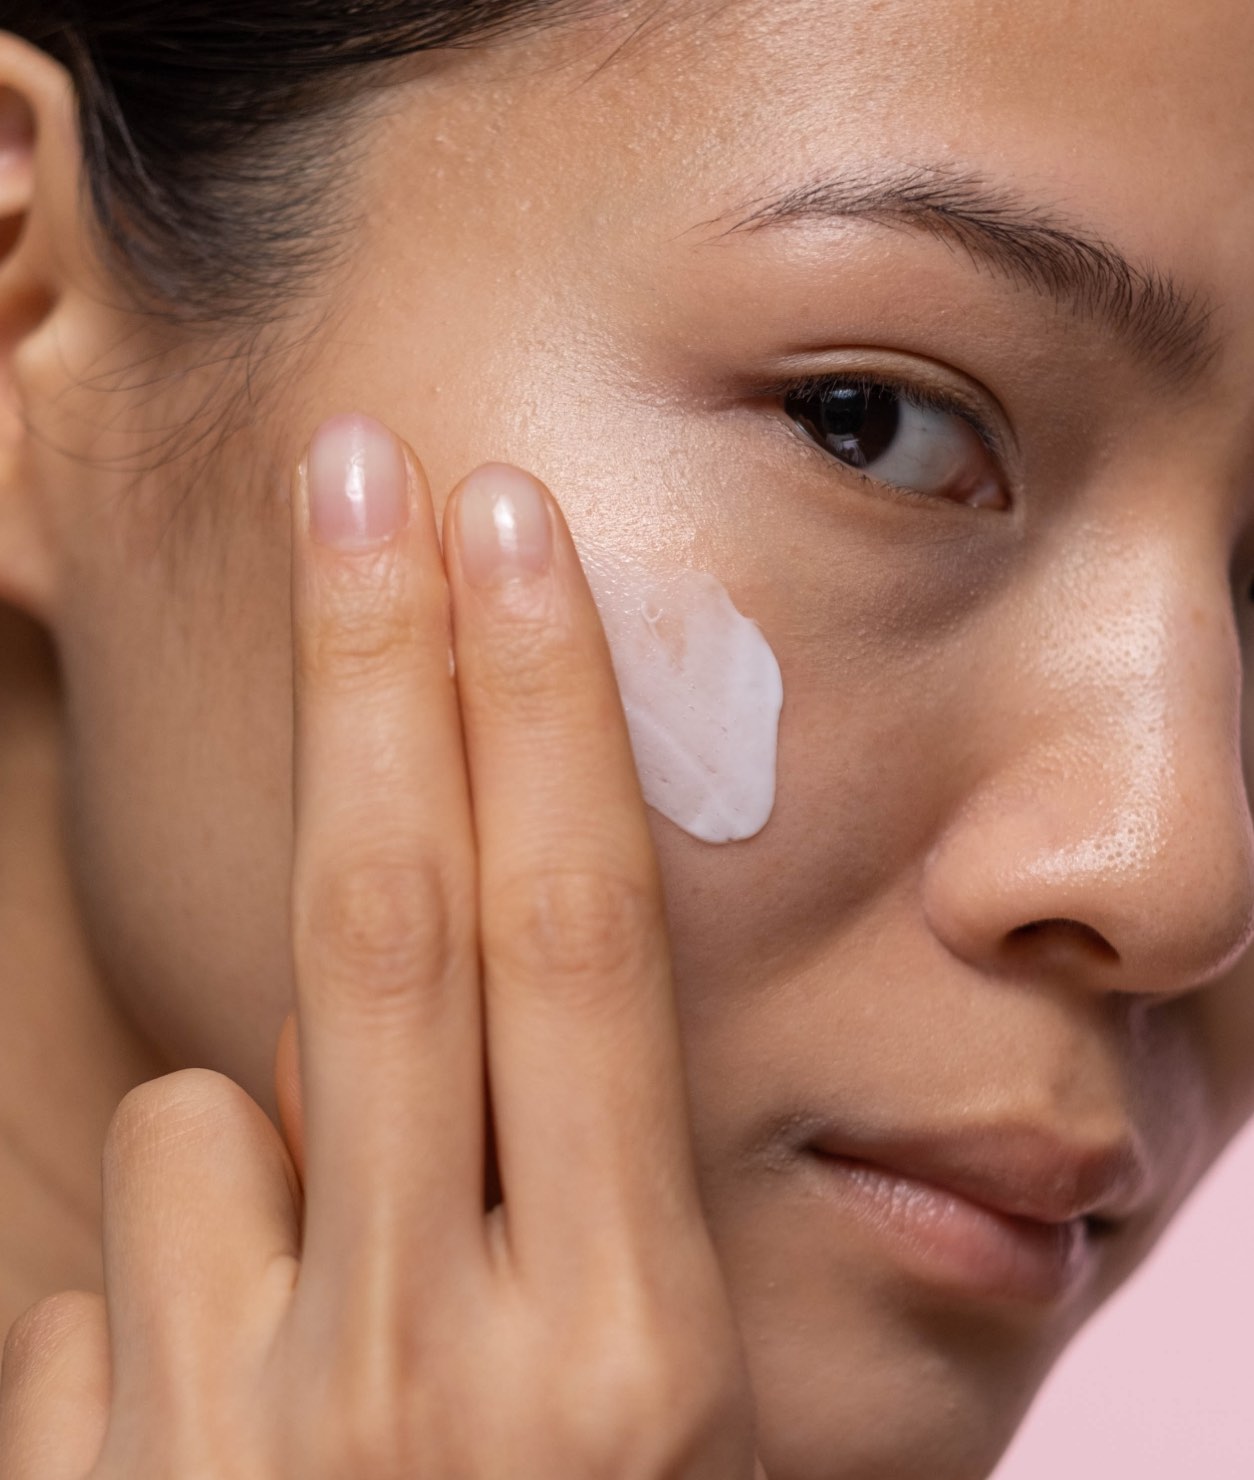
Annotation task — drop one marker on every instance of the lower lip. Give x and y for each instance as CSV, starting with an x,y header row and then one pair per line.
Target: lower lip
x,y
958,1245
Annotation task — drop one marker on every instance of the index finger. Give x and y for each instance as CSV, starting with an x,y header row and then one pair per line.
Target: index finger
x,y
383,874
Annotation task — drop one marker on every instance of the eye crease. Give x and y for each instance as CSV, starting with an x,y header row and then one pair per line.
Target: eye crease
x,y
915,441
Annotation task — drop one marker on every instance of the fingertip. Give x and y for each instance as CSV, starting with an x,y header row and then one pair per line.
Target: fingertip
x,y
503,525
357,483
56,1388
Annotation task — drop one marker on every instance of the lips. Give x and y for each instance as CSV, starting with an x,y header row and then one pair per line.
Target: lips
x,y
1017,1169
1006,1212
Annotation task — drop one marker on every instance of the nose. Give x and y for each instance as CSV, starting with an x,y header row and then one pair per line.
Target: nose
x,y
1107,823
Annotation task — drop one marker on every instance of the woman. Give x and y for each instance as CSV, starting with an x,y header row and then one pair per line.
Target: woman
x,y
890,362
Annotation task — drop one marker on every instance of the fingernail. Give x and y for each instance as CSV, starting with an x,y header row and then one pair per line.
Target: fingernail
x,y
358,484
502,525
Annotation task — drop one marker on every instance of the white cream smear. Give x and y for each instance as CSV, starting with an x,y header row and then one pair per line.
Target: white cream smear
x,y
702,693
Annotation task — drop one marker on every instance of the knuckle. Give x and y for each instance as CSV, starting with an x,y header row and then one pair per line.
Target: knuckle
x,y
380,926
47,1324
567,926
644,1412
525,668
369,1449
658,1378
622,1406
372,1431
364,630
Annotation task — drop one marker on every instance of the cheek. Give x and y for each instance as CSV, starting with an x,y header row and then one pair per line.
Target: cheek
x,y
797,950
177,669
870,761
821,895
702,693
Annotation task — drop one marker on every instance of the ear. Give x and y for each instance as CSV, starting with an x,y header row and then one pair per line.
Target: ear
x,y
40,244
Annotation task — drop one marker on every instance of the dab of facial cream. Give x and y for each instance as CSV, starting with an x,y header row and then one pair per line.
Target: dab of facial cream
x,y
702,693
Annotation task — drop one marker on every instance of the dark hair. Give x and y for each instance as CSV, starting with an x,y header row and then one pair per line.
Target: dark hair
x,y
207,125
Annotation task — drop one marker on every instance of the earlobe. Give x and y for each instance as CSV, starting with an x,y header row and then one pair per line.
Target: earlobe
x,y
39,171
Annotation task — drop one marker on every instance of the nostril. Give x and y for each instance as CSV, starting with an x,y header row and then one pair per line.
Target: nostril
x,y
1064,928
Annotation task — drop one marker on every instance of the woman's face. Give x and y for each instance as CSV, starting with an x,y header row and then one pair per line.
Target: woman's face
x,y
1008,884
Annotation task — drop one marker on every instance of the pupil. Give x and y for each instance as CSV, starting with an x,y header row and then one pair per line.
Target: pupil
x,y
855,423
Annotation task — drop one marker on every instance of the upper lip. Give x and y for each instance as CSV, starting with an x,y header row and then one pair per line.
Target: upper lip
x,y
1020,1169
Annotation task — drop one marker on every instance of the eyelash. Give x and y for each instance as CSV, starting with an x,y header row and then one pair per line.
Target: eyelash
x,y
929,398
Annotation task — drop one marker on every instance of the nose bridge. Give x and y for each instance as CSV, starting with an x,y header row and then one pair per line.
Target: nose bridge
x,y
1122,805
1112,675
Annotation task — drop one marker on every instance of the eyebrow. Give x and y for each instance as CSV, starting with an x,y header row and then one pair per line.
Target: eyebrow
x,y
1028,243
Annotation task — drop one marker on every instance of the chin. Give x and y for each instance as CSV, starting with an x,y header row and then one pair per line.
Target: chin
x,y
861,1371
906,1401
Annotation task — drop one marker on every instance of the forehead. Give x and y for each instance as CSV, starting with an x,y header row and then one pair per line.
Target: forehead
x,y
1073,90
1144,130
1066,60
602,154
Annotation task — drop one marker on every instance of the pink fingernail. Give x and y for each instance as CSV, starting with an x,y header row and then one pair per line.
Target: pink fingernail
x,y
358,484
503,525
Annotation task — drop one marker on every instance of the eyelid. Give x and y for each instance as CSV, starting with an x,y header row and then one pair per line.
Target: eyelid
x,y
928,400
928,384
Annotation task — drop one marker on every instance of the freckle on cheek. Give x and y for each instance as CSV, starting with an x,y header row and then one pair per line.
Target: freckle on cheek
x,y
702,693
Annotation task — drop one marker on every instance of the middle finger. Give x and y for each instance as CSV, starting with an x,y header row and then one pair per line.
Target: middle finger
x,y
581,1030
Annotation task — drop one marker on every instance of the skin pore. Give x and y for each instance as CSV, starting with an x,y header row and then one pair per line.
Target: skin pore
x,y
1009,879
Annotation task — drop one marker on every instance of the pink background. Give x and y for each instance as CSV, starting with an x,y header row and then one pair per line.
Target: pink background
x,y
1160,1384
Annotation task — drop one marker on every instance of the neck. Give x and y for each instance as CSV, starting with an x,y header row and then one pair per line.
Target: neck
x,y
67,1055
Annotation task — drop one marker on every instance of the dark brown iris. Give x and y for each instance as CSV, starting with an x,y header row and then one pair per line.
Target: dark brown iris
x,y
854,423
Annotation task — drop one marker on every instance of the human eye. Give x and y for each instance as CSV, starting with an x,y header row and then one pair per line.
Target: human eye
x,y
920,441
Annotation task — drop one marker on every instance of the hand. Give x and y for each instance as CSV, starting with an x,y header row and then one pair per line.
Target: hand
x,y
473,885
